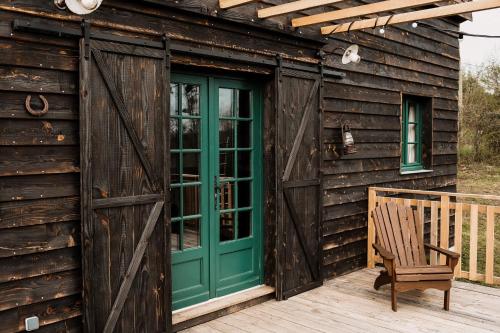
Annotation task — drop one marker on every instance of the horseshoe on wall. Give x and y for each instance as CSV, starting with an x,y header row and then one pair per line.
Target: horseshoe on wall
x,y
37,113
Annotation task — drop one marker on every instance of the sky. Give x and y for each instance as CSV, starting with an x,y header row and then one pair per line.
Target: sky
x,y
476,50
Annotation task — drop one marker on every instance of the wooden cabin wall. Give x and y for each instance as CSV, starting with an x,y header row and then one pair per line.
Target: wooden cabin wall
x,y
39,183
419,62
40,246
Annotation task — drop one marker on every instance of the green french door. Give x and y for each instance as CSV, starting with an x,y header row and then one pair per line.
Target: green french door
x,y
216,184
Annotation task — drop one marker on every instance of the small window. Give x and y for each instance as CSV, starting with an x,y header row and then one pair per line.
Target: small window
x,y
416,133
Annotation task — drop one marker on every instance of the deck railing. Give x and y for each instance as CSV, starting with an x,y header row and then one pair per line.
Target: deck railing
x,y
470,217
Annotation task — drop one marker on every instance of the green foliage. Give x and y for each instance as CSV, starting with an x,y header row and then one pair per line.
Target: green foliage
x,y
479,120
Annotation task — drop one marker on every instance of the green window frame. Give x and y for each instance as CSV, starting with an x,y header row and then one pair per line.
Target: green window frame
x,y
408,163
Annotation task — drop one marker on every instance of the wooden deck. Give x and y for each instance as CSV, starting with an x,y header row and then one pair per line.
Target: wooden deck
x,y
350,304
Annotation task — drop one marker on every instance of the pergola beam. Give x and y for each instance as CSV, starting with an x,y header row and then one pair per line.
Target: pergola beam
x,y
425,14
293,6
372,8
233,3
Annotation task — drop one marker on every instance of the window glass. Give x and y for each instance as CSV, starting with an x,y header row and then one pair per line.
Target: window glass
x,y
412,134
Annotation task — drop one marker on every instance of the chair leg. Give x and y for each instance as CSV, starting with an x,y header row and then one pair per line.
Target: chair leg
x,y
394,297
447,300
381,280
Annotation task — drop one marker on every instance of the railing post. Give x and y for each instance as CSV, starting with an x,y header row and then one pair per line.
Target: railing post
x,y
445,227
434,231
474,209
458,238
490,244
372,199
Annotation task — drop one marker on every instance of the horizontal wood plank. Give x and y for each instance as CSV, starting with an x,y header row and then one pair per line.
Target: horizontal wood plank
x,y
39,238
38,289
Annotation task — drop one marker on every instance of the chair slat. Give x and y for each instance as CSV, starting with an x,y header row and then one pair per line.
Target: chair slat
x,y
415,242
396,230
379,235
474,210
383,231
434,231
419,225
388,229
405,232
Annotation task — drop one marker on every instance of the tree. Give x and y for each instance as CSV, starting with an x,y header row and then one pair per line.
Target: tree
x,y
480,114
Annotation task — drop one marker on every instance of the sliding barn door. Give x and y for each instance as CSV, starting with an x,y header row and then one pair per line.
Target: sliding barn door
x,y
124,151
299,194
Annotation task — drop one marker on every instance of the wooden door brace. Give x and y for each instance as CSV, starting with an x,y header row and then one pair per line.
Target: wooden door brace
x,y
132,268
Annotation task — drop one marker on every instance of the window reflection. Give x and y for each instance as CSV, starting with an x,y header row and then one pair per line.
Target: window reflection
x,y
191,163
226,133
191,234
174,133
190,133
227,195
244,224
175,236
244,164
244,134
175,202
244,105
190,99
225,102
226,226
226,164
174,98
244,194
191,200
174,168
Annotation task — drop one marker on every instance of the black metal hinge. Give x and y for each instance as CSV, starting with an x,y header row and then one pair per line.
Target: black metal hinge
x,y
86,37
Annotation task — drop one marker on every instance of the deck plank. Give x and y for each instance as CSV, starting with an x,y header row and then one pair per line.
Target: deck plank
x,y
350,304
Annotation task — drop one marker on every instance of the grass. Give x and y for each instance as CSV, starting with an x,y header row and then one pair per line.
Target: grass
x,y
480,179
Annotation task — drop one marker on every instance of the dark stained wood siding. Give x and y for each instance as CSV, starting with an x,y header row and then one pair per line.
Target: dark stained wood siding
x,y
423,63
39,184
39,157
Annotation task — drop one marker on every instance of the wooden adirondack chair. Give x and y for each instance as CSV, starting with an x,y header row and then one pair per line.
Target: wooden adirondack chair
x,y
400,244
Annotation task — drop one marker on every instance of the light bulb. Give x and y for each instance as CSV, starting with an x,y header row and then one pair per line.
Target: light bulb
x,y
414,25
381,31
355,58
89,4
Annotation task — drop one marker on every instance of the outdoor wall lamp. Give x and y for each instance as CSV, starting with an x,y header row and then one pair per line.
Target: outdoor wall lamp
x,y
347,139
350,54
80,7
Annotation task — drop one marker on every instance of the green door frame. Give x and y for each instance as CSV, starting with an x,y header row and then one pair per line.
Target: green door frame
x,y
217,260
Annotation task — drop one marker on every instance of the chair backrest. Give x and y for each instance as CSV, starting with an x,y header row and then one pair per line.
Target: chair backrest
x,y
399,231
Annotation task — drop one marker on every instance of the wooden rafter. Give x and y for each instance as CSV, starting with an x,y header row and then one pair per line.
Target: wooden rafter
x,y
372,8
233,3
293,6
450,10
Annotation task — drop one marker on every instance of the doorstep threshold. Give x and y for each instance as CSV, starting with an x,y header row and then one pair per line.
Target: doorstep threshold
x,y
217,307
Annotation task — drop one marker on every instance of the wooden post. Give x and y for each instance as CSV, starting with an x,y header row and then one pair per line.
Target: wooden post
x,y
372,198
434,230
421,221
445,227
474,209
490,244
458,237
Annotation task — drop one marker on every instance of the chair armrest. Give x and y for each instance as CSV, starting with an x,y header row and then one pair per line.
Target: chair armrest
x,y
383,252
447,253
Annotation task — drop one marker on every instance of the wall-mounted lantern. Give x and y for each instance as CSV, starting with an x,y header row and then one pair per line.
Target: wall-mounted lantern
x,y
350,54
347,139
80,7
